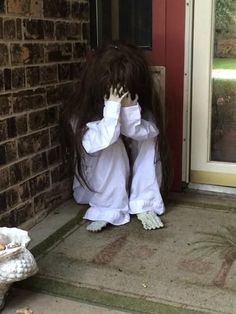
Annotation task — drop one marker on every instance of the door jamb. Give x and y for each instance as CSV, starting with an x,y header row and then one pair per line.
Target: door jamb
x,y
187,91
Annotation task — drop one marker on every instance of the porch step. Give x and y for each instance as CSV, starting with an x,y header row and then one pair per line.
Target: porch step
x,y
171,270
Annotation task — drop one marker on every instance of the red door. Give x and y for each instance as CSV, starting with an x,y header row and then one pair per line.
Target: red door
x,y
167,49
168,28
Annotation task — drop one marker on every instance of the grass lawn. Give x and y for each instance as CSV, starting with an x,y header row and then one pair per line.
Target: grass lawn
x,y
224,63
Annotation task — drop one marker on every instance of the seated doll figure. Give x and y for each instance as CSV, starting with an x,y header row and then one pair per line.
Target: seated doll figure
x,y
116,135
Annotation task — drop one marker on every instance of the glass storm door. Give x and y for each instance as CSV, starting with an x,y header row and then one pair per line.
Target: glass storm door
x,y
213,144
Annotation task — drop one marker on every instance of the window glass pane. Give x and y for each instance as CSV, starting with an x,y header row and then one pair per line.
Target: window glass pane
x,y
104,30
125,20
223,120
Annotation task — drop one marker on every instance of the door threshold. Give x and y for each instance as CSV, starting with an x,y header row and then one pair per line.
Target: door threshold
x,y
212,188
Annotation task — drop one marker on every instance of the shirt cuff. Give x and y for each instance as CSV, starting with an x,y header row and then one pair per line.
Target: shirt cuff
x,y
131,113
111,109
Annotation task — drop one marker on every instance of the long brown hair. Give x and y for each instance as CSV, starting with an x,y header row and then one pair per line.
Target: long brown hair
x,y
116,63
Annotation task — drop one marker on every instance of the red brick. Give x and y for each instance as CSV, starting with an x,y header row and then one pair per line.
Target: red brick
x,y
1,25
11,127
1,81
3,130
21,124
25,7
33,29
27,53
4,182
58,194
74,31
5,104
54,155
53,115
56,8
58,52
18,29
9,29
39,163
40,183
48,74
11,151
24,191
68,31
19,171
53,95
3,202
54,135
7,78
8,152
48,30
33,143
28,100
32,76
12,197
3,157
3,55
38,120
60,172
39,202
21,214
61,31
18,78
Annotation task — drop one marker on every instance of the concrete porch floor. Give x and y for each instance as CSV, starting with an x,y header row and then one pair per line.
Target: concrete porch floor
x,y
187,267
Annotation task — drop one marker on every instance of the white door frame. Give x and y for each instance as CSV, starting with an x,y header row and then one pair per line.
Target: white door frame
x,y
202,170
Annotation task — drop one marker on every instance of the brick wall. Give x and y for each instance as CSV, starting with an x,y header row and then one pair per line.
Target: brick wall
x,y
42,46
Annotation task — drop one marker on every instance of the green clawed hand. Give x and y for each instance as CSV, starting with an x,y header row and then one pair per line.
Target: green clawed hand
x,y
117,94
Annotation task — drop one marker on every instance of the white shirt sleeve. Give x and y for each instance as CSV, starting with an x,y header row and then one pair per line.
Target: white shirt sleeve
x,y
133,126
101,134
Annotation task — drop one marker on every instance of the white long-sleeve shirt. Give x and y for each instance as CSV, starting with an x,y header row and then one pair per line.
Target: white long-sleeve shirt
x,y
117,120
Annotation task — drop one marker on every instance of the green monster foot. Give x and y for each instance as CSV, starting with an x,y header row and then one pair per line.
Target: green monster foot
x,y
150,220
96,226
